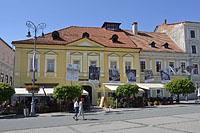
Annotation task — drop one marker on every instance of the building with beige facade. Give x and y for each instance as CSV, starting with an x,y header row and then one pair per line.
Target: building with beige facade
x,y
6,62
109,48
105,47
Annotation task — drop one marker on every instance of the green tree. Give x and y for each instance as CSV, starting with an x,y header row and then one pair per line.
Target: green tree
x,y
67,93
127,90
6,91
180,86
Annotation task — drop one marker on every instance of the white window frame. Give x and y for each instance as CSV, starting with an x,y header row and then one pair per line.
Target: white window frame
x,y
197,68
55,62
195,49
144,64
156,65
183,72
77,57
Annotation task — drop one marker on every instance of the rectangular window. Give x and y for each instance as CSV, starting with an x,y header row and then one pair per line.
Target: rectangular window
x,y
171,64
113,64
93,63
6,78
158,66
194,49
31,65
127,65
11,83
50,65
183,66
192,33
2,77
195,68
77,62
142,66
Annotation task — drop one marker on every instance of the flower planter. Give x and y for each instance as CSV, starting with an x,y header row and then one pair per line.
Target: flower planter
x,y
32,89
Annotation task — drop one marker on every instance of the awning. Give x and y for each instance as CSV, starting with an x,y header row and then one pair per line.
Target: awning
x,y
149,86
41,92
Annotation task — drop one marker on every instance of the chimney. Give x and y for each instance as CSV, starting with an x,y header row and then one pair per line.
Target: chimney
x,y
135,28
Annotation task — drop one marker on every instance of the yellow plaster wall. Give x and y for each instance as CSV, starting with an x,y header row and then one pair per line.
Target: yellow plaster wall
x,y
63,54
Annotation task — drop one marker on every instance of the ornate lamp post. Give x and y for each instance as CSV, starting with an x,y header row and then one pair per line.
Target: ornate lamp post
x,y
35,29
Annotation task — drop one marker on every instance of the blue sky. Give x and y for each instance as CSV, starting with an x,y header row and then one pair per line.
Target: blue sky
x,y
59,14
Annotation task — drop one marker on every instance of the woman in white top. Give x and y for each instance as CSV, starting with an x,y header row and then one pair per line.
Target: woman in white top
x,y
76,109
81,111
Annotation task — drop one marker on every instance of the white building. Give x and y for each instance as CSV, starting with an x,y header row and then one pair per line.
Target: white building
x,y
6,62
187,36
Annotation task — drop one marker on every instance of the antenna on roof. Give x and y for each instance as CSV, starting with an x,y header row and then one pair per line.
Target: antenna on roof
x,y
165,22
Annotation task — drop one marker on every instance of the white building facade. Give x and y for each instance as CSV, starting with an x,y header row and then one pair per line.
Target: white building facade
x,y
187,36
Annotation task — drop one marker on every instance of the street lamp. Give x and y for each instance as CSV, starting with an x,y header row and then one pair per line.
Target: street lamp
x,y
35,29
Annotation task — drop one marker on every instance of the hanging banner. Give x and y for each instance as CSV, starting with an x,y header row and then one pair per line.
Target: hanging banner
x,y
189,70
72,72
94,72
198,93
114,75
148,76
165,76
131,75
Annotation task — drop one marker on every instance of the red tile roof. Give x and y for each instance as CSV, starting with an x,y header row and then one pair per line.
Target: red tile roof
x,y
143,39
74,33
102,36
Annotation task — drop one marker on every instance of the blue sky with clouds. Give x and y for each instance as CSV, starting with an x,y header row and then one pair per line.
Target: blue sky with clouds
x,y
59,14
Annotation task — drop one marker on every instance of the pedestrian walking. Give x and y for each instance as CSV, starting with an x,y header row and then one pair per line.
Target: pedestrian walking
x,y
76,109
81,110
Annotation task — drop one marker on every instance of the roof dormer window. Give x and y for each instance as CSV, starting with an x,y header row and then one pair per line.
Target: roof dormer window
x,y
111,26
85,35
165,45
115,38
55,35
153,44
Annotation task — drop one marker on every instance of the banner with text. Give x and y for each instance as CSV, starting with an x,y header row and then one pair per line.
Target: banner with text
x,y
94,72
72,72
131,75
114,75
148,76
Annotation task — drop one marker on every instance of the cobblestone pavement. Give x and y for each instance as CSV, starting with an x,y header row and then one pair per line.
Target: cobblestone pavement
x,y
186,120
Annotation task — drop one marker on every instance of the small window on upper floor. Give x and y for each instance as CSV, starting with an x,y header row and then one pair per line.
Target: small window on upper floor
x,y
192,33
153,44
50,65
194,51
195,69
142,66
166,45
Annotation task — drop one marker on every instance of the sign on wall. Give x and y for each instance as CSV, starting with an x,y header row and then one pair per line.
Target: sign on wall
x,y
72,72
148,76
94,72
114,75
131,75
165,76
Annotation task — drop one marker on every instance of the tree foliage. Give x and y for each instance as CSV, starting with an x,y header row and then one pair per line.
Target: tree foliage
x,y
180,86
127,90
6,91
67,93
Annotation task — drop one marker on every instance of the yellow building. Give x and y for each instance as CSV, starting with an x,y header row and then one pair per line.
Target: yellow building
x,y
105,47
